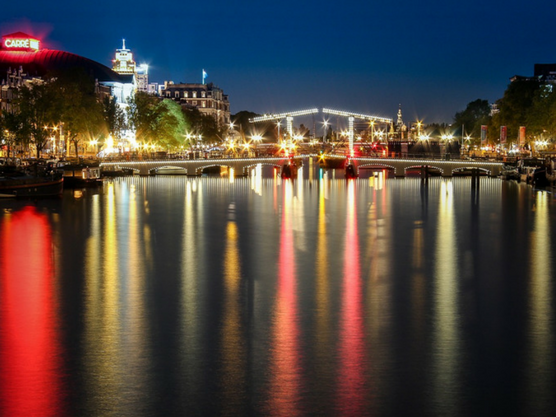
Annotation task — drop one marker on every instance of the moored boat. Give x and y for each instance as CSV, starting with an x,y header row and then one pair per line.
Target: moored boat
x,y
26,185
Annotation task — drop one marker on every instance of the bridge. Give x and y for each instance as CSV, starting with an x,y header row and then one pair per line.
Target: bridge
x,y
241,166
447,168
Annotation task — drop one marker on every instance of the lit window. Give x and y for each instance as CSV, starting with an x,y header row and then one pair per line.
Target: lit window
x,y
203,94
185,94
194,94
204,103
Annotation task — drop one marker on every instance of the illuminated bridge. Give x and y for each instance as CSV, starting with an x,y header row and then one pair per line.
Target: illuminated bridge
x,y
241,166
447,168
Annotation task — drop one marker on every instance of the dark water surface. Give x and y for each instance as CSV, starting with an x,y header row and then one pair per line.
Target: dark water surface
x,y
205,296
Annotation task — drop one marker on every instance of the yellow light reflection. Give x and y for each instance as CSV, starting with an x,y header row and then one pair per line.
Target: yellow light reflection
x,y
323,287
233,347
446,314
102,325
541,327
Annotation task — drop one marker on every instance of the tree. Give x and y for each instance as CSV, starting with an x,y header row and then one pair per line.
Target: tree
x,y
114,117
171,124
241,119
36,106
203,124
79,106
11,130
157,121
476,113
514,108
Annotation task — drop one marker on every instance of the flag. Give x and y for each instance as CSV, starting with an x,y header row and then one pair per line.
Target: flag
x,y
205,75
483,134
503,134
522,135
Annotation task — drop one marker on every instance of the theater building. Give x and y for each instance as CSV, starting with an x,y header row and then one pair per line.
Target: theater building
x,y
22,59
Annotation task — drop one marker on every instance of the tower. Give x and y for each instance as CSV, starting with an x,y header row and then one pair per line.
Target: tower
x,y
124,63
399,122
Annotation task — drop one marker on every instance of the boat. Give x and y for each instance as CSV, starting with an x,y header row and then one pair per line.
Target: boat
x,y
289,170
350,171
510,172
89,177
26,184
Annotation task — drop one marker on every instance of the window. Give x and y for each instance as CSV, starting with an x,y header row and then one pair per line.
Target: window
x,y
203,94
177,94
204,103
185,94
194,94
168,94
194,103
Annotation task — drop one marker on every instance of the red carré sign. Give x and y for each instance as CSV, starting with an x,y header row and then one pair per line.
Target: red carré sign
x,y
20,43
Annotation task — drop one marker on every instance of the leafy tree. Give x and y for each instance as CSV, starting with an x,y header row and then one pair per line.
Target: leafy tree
x,y
114,117
12,130
514,108
156,121
143,113
36,106
476,113
203,124
79,107
171,124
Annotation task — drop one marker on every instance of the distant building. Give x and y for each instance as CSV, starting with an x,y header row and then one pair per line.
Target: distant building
x,y
208,98
544,73
142,78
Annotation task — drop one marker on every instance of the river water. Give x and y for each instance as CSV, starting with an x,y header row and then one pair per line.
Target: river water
x,y
174,296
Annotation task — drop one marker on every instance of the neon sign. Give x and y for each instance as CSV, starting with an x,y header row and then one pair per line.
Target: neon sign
x,y
21,44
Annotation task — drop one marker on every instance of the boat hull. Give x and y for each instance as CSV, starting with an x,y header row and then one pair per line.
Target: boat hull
x,y
31,187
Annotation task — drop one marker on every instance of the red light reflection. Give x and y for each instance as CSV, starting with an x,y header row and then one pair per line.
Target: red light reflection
x,y
285,361
29,349
351,383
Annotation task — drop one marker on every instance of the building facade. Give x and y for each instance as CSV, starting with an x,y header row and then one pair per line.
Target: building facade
x,y
208,98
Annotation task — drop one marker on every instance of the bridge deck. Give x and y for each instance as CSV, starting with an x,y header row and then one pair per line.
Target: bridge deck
x,y
241,166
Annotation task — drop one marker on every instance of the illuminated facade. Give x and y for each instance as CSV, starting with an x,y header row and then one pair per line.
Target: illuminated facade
x,y
123,63
208,98
23,58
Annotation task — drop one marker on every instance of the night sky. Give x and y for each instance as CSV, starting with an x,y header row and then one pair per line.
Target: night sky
x,y
432,57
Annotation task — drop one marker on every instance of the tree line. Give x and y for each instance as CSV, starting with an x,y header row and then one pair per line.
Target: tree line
x,y
529,103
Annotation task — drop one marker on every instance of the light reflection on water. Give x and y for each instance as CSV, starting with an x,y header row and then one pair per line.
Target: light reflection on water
x,y
263,296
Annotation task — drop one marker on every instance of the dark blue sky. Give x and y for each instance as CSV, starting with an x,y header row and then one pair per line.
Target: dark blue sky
x,y
430,56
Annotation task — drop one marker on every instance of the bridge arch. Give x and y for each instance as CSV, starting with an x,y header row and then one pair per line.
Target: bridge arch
x,y
154,171
463,169
418,167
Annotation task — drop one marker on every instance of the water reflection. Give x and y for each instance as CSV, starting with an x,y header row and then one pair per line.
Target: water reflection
x,y
277,297
116,330
446,312
541,314
30,351
233,337
191,265
351,378
285,361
